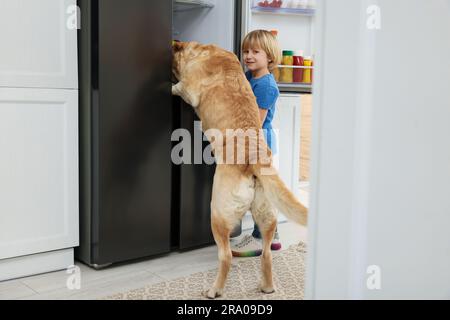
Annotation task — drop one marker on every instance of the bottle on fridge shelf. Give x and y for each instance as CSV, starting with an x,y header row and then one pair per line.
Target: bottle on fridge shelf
x,y
307,73
262,3
287,74
275,4
298,62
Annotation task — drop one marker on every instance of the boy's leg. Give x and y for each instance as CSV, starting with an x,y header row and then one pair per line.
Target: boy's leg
x,y
237,231
256,232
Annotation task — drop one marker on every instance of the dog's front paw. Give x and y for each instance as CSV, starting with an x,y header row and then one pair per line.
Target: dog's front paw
x,y
175,90
213,293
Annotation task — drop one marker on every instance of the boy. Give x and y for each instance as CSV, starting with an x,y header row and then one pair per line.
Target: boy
x,y
261,54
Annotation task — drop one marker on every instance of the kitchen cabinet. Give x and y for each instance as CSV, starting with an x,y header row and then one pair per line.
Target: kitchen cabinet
x,y
286,123
38,137
39,48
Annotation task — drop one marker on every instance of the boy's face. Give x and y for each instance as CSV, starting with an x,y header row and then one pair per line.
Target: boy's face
x,y
255,59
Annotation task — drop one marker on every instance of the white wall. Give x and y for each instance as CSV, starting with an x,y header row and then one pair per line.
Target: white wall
x,y
381,161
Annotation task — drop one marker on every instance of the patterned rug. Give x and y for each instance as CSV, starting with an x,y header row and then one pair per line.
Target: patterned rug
x,y
242,283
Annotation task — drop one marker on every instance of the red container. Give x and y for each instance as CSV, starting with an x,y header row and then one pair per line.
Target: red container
x,y
298,61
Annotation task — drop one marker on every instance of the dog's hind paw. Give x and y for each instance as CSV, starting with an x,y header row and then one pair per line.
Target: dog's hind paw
x,y
267,289
213,293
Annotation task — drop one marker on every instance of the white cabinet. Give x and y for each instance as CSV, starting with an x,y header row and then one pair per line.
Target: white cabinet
x,y
286,124
38,180
38,137
38,47
38,171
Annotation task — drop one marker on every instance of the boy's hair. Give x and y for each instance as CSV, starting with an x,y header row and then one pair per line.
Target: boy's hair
x,y
267,42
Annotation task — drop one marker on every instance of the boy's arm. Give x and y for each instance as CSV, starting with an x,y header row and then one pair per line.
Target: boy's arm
x,y
265,97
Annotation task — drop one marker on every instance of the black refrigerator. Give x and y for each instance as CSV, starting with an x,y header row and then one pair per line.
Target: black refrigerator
x,y
134,203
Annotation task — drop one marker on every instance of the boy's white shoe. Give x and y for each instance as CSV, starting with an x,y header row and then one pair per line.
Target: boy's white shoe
x,y
248,246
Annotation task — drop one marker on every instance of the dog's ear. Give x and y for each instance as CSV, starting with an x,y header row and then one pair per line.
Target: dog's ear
x,y
178,46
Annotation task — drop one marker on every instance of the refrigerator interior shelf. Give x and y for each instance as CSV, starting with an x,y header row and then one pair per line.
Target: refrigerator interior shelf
x,y
284,11
295,87
296,67
188,5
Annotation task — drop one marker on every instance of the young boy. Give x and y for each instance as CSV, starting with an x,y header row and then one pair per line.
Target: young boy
x,y
261,54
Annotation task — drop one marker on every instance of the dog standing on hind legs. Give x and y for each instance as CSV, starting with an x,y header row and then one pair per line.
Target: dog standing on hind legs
x,y
212,81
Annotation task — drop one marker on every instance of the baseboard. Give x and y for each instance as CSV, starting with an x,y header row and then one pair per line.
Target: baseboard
x,y
36,264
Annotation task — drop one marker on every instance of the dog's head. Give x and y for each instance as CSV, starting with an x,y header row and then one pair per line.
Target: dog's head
x,y
177,59
182,51
186,54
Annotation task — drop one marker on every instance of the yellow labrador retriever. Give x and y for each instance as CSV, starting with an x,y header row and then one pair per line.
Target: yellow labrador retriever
x,y
212,81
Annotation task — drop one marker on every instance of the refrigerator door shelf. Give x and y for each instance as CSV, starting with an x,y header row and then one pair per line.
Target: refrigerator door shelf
x,y
283,11
188,5
295,67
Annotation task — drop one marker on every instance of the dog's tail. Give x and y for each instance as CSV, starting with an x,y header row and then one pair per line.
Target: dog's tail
x,y
279,195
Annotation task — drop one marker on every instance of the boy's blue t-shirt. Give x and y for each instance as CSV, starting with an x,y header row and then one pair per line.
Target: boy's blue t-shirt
x,y
267,93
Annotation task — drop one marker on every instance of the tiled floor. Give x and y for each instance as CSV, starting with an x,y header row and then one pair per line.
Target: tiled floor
x,y
97,284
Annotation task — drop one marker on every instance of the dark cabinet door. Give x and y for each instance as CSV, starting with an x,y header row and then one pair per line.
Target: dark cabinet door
x,y
133,124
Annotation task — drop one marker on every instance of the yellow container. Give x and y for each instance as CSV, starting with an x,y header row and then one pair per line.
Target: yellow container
x,y
276,74
307,73
287,74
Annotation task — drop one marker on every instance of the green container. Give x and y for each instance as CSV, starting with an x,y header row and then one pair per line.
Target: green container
x,y
288,53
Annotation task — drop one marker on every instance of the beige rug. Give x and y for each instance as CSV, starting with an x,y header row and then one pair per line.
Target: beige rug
x,y
242,283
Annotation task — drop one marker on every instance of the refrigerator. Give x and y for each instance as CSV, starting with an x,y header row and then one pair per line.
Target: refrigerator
x,y
134,202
